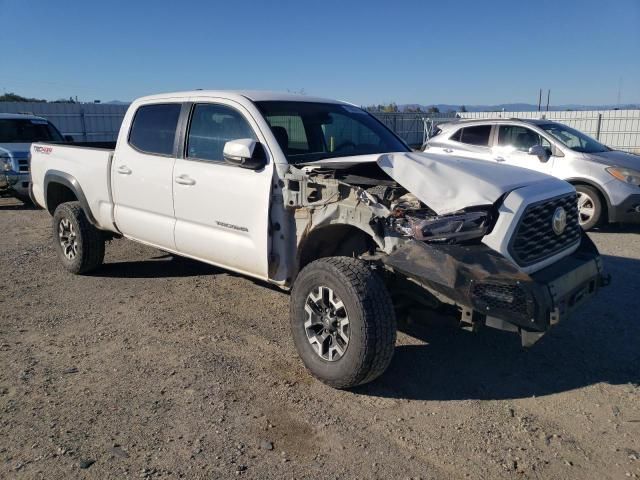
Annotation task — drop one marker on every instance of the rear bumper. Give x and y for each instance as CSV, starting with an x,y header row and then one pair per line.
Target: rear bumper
x,y
626,212
491,289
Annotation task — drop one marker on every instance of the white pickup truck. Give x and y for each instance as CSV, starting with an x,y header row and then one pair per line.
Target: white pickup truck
x,y
319,197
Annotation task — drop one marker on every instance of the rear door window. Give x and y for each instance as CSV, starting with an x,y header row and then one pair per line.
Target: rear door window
x,y
477,135
154,128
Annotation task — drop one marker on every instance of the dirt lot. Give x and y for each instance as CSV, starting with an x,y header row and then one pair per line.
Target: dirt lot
x,y
159,367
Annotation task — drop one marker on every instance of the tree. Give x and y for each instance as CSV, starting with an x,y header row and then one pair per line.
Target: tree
x,y
433,109
14,97
463,109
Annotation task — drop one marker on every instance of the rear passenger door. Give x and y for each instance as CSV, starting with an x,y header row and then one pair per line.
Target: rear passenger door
x,y
222,210
472,142
512,147
141,175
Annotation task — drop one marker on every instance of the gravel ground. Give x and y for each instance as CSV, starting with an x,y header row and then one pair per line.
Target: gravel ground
x,y
159,367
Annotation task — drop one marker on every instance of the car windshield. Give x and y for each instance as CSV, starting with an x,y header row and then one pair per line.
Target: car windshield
x,y
575,140
309,131
27,131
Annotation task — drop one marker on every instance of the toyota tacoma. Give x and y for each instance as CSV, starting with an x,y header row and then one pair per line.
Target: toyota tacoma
x,y
321,199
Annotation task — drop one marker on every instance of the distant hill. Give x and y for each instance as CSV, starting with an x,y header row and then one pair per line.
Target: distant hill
x,y
515,107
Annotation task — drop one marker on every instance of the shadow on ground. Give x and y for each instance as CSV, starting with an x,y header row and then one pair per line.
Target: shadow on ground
x,y
162,266
600,343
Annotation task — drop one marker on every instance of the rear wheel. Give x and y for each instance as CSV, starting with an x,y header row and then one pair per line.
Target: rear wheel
x,y
590,207
342,321
79,244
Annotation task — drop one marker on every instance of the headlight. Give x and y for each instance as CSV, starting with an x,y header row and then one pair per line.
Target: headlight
x,y
626,175
5,162
447,228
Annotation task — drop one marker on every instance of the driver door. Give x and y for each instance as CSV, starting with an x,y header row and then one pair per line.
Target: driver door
x,y
221,210
512,147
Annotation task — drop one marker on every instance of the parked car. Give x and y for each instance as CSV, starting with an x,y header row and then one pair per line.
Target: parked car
x,y
607,181
17,133
320,198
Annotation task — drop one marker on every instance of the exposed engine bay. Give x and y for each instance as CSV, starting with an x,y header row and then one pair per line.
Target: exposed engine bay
x,y
409,216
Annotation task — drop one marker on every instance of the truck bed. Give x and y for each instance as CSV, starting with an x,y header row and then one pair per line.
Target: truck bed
x,y
85,164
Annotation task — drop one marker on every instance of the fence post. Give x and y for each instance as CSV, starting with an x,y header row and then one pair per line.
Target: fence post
x,y
598,125
84,124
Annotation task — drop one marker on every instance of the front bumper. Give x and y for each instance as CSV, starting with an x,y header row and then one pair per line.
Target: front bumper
x,y
491,289
14,182
626,212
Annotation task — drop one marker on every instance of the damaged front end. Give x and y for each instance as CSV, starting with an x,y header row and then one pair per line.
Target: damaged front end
x,y
436,258
492,291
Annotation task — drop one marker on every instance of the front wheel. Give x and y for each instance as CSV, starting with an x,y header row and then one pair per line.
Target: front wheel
x,y
79,244
589,207
342,321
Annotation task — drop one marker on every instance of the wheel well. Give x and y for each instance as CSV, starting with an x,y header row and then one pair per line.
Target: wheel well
x,y
333,241
58,193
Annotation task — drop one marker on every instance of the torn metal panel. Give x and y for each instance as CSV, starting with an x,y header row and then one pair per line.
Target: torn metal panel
x,y
318,201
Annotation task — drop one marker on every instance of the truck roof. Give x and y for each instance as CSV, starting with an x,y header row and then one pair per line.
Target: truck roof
x,y
253,95
20,116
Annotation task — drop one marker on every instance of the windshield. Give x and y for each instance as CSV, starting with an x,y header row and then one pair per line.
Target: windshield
x,y
28,131
308,131
575,140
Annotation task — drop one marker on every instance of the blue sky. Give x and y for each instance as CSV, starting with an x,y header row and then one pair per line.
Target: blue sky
x,y
461,52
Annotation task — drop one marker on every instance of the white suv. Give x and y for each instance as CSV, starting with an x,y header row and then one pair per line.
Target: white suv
x,y
607,181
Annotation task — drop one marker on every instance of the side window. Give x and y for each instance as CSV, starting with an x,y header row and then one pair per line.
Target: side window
x,y
154,128
456,137
521,138
211,127
478,135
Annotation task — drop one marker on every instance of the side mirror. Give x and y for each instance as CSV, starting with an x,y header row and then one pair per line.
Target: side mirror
x,y
540,152
245,153
68,138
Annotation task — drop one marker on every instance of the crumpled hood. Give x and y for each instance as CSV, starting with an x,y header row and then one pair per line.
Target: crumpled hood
x,y
615,158
16,150
447,183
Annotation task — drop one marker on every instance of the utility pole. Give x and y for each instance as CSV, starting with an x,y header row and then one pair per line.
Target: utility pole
x,y
539,99
619,89
548,95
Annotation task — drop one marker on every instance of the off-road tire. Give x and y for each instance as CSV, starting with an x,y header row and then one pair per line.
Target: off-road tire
x,y
371,317
598,209
90,248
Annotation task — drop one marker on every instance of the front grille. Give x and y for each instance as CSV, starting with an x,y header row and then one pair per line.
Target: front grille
x,y
495,299
535,240
23,165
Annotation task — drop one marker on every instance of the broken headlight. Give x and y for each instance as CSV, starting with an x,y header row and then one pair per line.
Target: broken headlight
x,y
446,228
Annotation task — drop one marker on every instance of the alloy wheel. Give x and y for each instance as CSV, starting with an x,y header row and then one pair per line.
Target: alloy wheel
x,y
68,238
586,208
326,324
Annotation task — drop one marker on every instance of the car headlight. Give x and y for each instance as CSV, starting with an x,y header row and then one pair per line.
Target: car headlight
x,y
5,162
626,175
446,228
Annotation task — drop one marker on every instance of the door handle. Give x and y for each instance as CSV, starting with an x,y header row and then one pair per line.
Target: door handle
x,y
124,170
448,150
185,180
499,159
